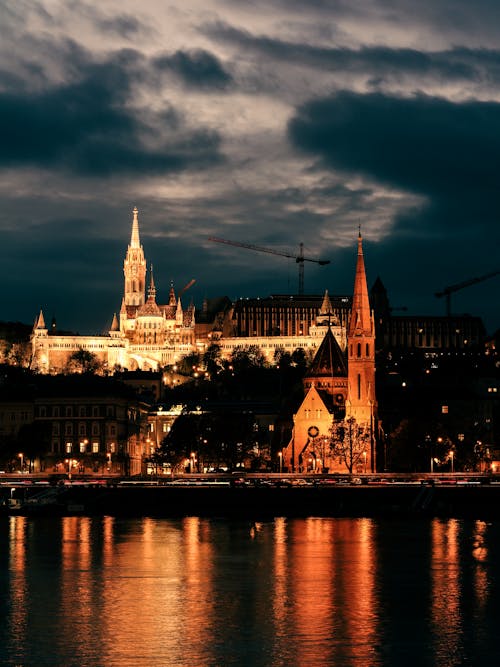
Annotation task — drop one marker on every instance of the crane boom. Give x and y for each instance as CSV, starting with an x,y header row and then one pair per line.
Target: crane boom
x,y
300,259
448,291
186,287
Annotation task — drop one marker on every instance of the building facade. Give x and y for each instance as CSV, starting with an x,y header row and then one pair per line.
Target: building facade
x,y
147,335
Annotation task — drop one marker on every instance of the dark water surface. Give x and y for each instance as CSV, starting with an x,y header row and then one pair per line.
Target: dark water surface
x,y
206,592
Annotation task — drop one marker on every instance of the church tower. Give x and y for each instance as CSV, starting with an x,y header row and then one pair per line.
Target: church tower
x,y
361,403
134,268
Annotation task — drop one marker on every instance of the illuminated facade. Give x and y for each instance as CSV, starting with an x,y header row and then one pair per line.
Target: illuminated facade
x,y
340,386
146,336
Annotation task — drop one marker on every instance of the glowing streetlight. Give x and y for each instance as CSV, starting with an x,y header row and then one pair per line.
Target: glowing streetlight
x,y
21,457
280,459
364,460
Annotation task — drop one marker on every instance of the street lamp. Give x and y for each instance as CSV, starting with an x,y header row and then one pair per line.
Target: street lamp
x,y
21,456
280,459
364,458
451,458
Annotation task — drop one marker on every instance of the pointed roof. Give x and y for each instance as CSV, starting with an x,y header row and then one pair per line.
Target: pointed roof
x,y
379,298
329,361
152,288
40,323
171,297
360,321
114,324
134,239
326,306
150,307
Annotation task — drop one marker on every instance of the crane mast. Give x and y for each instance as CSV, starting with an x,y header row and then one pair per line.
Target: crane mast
x,y
299,259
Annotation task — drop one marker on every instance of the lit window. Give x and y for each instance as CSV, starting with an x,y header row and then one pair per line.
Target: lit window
x,y
444,409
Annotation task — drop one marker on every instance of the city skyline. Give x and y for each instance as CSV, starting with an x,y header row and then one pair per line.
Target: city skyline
x,y
270,123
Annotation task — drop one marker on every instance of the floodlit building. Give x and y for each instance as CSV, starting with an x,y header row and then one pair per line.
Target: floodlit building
x,y
146,335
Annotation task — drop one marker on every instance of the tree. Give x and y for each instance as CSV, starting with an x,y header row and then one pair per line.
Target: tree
x,y
83,361
245,357
186,365
350,441
212,359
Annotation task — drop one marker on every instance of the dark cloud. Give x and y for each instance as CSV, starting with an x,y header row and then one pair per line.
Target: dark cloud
x,y
375,62
124,25
87,125
198,68
424,144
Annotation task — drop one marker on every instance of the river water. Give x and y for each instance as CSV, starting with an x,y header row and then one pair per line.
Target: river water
x,y
290,592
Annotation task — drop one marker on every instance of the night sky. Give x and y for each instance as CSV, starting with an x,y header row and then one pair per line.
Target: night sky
x,y
271,122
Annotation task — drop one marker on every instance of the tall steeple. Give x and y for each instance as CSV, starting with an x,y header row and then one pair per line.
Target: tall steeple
x,y
361,316
171,295
134,268
152,287
362,404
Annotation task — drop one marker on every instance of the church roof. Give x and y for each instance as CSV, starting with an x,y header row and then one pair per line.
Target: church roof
x,y
149,308
168,311
329,360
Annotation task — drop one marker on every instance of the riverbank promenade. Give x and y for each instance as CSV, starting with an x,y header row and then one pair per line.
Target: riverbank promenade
x,y
257,497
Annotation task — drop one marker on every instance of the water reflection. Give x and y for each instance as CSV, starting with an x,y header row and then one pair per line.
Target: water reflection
x,y
193,591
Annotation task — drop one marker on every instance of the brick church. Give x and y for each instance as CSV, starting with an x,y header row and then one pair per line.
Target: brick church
x,y
339,390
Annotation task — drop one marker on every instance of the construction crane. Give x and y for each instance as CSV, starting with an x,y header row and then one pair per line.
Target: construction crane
x,y
186,287
448,291
300,259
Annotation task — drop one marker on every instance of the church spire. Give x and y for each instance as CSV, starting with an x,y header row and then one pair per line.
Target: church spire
x,y
361,320
326,306
40,323
171,297
152,288
134,267
134,238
